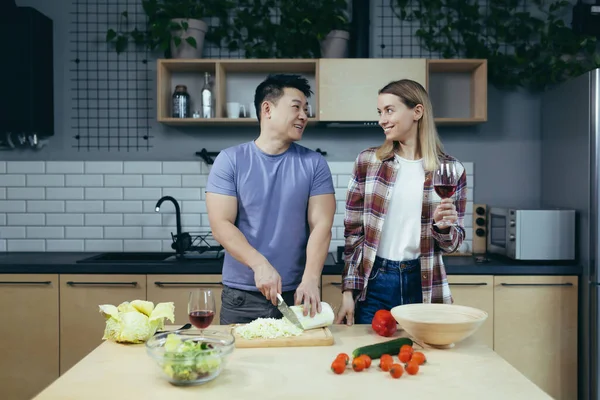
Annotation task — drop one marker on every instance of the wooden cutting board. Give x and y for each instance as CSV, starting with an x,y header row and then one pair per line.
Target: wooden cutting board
x,y
312,337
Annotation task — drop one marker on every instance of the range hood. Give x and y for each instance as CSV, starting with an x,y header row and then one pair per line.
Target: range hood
x,y
26,73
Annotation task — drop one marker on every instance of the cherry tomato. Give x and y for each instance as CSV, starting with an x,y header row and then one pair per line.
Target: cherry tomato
x,y
419,358
412,368
344,357
338,366
358,364
396,371
404,356
406,347
367,360
386,363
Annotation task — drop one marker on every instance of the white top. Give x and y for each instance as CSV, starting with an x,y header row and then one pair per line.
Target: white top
x,y
401,233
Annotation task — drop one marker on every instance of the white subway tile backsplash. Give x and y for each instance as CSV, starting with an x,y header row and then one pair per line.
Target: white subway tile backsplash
x,y
123,206
64,167
64,219
25,193
12,180
143,194
85,180
85,206
64,245
27,245
183,167
26,167
26,219
13,232
162,180
103,167
110,205
64,193
45,180
103,219
84,232
45,232
103,193
123,180
12,206
142,167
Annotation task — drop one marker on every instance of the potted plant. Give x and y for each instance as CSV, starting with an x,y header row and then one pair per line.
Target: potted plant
x,y
334,44
174,26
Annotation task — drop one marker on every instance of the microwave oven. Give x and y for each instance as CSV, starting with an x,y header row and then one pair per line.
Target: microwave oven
x,y
536,234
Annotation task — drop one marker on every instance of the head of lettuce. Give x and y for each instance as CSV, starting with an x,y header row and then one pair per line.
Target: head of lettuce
x,y
136,321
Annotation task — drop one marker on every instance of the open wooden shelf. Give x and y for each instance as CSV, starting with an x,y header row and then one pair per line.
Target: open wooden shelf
x,y
234,80
343,89
458,90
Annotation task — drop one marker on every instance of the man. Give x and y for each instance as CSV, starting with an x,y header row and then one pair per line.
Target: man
x,y
271,204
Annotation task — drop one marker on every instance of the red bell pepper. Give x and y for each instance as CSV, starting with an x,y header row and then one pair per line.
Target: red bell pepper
x,y
384,323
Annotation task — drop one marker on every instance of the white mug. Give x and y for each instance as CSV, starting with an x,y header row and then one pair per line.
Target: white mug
x,y
233,110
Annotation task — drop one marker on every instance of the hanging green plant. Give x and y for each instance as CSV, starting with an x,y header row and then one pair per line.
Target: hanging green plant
x,y
530,48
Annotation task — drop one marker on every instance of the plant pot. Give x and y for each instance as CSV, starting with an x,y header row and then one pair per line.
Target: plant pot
x,y
335,44
196,29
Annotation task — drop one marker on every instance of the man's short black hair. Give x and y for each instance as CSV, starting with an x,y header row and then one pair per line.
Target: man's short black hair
x,y
271,89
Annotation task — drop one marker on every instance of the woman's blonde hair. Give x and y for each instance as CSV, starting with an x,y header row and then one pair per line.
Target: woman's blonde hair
x,y
429,146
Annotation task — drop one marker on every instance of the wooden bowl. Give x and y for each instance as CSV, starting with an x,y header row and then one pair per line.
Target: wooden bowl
x,y
439,325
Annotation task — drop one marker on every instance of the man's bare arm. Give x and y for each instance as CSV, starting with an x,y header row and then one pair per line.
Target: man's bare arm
x,y
321,210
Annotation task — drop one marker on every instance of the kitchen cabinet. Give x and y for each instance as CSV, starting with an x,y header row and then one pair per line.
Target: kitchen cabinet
x,y
348,87
535,329
176,288
476,291
29,331
331,290
81,324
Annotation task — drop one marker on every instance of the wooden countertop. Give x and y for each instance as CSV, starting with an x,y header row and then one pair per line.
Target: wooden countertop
x,y
470,370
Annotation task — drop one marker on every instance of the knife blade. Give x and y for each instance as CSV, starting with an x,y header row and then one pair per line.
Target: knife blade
x,y
289,314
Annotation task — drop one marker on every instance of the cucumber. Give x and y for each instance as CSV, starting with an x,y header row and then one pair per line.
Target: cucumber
x,y
391,347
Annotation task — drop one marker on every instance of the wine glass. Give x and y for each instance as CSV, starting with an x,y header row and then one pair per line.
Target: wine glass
x,y
201,308
445,180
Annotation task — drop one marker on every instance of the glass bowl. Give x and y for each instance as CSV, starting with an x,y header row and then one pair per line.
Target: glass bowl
x,y
191,357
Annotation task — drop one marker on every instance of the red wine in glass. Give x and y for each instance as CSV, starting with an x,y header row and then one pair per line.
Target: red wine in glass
x,y
445,180
445,191
201,319
201,308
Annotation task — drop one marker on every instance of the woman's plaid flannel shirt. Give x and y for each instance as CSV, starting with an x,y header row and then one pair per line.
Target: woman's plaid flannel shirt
x,y
367,200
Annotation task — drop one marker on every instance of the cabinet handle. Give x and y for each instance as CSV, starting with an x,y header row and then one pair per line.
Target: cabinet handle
x,y
71,283
537,284
25,282
335,283
468,284
163,284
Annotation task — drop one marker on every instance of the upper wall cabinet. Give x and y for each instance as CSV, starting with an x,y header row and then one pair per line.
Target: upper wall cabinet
x,y
345,89
348,87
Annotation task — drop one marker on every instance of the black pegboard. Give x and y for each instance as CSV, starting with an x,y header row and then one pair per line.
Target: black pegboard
x,y
112,107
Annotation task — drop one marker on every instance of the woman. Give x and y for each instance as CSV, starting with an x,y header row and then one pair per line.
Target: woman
x,y
393,248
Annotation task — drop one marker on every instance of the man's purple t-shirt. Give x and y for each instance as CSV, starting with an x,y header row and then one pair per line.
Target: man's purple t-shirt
x,y
272,193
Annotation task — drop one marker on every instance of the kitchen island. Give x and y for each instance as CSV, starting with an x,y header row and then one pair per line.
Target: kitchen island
x,y
470,370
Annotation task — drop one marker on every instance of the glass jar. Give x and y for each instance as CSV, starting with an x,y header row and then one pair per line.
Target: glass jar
x,y
181,102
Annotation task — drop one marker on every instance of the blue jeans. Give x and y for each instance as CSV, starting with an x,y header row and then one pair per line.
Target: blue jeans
x,y
391,283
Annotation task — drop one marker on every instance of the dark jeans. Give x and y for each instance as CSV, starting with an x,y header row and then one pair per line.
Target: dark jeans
x,y
391,283
244,306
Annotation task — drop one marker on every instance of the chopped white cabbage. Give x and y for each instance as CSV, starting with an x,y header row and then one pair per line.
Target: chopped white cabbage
x,y
268,328
135,322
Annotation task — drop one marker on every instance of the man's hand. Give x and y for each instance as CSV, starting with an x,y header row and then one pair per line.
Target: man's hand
x,y
267,280
308,294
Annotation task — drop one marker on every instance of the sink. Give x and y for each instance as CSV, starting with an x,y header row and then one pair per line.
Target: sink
x,y
133,257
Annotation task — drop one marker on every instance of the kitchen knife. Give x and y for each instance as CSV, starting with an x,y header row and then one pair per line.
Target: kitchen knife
x,y
289,314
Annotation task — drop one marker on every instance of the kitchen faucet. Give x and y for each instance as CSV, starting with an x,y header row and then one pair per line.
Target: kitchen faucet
x,y
181,244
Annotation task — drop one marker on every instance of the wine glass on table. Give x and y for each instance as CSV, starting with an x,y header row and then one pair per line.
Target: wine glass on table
x,y
201,308
445,181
